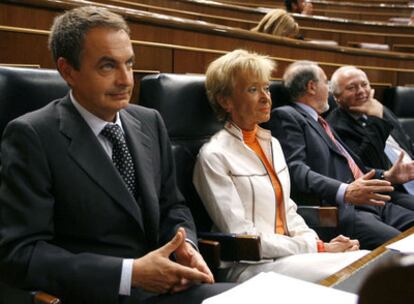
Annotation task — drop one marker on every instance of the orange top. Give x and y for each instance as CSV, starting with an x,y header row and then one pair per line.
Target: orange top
x,y
250,139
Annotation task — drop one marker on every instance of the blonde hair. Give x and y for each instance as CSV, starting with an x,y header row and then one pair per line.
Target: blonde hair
x,y
279,23
222,73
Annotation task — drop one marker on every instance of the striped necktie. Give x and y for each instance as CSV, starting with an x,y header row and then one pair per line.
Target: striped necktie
x,y
356,172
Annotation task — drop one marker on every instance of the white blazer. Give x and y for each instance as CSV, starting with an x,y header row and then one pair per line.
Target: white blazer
x,y
237,192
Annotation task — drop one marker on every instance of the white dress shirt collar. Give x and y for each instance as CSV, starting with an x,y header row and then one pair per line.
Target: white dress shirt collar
x,y
94,122
308,109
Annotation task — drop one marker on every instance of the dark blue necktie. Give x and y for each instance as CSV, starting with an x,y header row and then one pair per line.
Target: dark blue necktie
x,y
120,155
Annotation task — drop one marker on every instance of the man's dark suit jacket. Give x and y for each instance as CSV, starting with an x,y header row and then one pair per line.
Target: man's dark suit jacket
x,y
367,139
67,218
317,167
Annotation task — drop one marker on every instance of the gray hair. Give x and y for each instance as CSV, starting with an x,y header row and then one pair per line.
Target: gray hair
x,y
69,29
297,76
222,73
334,83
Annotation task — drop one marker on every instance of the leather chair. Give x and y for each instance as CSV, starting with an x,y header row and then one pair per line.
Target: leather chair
x,y
182,102
401,101
24,90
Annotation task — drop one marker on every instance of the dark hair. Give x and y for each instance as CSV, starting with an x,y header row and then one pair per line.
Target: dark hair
x,y
297,76
68,30
288,4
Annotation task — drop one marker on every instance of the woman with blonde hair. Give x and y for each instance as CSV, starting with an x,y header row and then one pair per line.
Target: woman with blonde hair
x,y
279,23
243,180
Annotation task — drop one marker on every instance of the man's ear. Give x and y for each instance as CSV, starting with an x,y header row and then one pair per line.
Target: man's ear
x,y
311,87
66,70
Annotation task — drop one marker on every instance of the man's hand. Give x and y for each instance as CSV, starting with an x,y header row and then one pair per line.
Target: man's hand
x,y
366,191
341,244
371,107
400,172
155,272
186,255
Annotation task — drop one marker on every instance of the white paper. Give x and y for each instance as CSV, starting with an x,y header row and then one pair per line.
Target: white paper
x,y
273,288
406,245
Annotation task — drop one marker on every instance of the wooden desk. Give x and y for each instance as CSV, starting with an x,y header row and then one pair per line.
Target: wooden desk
x,y
351,277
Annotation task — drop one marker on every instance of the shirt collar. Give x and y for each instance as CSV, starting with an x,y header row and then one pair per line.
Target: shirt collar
x,y
94,122
308,109
357,116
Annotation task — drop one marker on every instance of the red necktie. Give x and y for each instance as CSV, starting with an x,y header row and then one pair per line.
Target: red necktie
x,y
356,172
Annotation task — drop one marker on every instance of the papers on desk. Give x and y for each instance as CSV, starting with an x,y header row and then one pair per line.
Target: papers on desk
x,y
273,288
406,245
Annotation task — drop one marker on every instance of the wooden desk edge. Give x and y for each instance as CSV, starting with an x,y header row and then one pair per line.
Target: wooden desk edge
x,y
346,272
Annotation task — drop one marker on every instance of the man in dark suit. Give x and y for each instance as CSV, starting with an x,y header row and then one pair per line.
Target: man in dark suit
x,y
367,127
325,172
89,206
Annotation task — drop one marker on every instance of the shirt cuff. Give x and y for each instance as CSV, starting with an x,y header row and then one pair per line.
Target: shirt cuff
x,y
192,243
126,277
340,195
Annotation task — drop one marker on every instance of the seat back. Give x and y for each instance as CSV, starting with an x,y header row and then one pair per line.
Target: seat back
x,y
24,90
401,101
190,121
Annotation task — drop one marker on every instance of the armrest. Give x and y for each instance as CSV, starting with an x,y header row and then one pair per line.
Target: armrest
x,y
316,216
210,250
236,247
40,297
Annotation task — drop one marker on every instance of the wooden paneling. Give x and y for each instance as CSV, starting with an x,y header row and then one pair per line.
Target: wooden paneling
x,y
331,11
167,57
341,36
354,25
255,14
149,27
396,9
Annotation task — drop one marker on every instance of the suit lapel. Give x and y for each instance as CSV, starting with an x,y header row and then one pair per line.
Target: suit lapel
x,y
358,129
357,124
87,152
320,130
140,146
